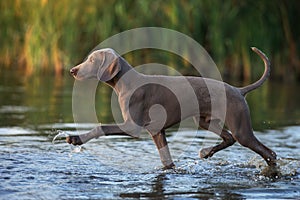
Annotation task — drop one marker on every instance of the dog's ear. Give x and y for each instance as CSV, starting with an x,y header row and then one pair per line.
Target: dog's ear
x,y
110,66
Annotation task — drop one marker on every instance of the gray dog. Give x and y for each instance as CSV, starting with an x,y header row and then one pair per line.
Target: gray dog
x,y
155,103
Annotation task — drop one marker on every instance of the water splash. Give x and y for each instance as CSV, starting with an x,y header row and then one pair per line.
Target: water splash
x,y
63,134
286,167
76,149
60,134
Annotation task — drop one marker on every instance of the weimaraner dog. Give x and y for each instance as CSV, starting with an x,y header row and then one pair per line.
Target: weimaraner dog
x,y
154,103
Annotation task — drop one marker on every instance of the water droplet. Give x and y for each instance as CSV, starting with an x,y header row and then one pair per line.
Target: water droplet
x,y
59,135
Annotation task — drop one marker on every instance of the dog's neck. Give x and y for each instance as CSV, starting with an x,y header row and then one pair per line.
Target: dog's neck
x,y
124,78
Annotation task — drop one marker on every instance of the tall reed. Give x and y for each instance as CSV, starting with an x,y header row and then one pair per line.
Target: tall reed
x,y
49,36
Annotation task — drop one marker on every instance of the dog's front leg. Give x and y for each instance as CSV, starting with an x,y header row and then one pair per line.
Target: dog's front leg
x,y
163,149
126,129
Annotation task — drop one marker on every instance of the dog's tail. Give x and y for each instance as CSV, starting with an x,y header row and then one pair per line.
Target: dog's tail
x,y
248,88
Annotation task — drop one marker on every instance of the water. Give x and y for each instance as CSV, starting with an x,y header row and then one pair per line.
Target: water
x,y
33,111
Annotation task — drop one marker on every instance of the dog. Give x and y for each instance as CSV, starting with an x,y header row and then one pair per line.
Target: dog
x,y
156,102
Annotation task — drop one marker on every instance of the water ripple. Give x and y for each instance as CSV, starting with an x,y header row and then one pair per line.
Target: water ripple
x,y
32,167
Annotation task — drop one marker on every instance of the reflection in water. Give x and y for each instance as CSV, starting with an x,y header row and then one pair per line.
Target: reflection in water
x,y
38,169
158,191
158,186
275,105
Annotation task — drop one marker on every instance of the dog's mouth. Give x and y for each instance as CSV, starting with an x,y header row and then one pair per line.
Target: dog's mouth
x,y
74,72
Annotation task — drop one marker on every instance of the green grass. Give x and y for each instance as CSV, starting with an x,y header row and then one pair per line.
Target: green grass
x,y
51,36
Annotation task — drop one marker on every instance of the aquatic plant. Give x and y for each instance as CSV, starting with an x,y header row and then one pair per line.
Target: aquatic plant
x,y
49,36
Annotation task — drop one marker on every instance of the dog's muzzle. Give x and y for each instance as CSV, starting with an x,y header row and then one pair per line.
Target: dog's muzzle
x,y
74,71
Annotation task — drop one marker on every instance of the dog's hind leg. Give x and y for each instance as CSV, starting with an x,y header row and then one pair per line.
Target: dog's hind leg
x,y
244,135
214,126
242,132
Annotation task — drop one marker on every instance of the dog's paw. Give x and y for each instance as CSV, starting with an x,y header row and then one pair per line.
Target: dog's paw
x,y
170,166
75,140
206,152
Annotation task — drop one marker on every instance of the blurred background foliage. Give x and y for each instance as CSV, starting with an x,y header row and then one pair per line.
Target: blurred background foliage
x,y
47,36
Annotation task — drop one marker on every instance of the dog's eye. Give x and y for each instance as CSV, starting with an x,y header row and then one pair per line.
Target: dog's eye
x,y
91,59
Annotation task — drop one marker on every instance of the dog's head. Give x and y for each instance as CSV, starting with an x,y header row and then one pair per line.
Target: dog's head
x,y
101,64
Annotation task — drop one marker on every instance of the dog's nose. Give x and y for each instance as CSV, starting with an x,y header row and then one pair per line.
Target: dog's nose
x,y
74,71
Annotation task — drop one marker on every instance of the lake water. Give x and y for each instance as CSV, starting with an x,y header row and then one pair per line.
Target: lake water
x,y
34,110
